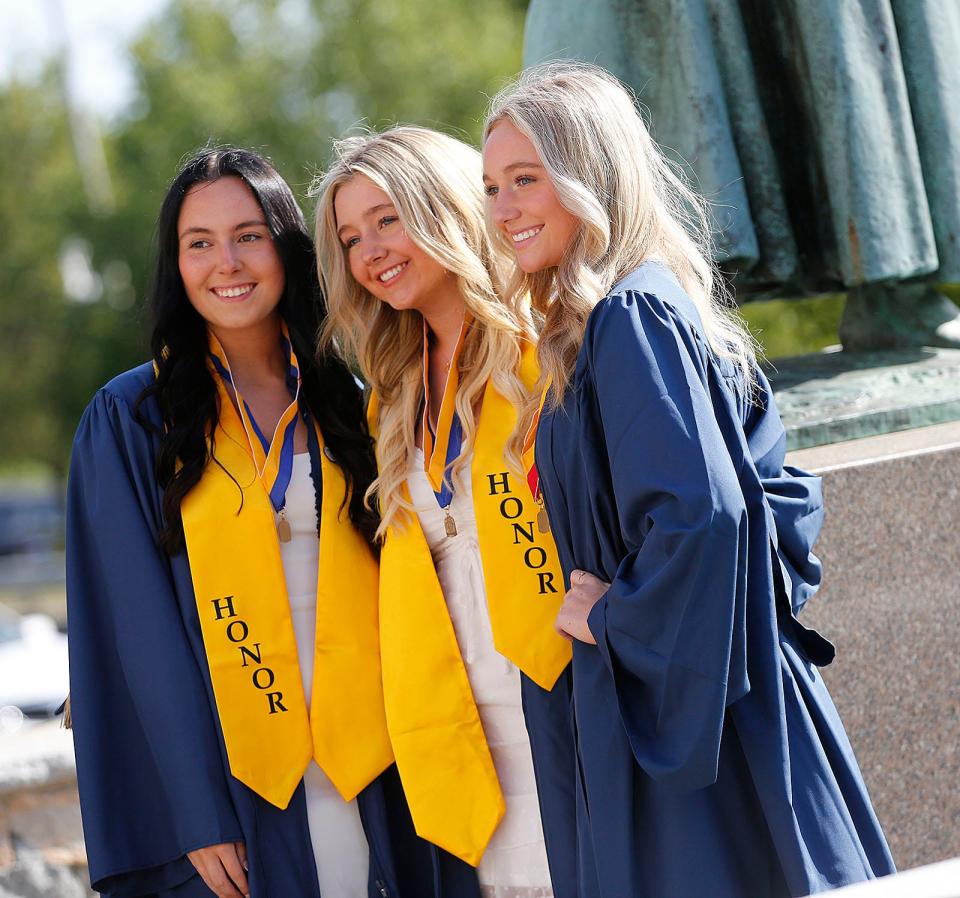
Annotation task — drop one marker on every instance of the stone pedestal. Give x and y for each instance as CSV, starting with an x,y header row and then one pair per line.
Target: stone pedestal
x,y
890,601
831,396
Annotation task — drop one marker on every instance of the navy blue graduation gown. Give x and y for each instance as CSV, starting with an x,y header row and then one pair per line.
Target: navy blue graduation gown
x,y
709,759
151,764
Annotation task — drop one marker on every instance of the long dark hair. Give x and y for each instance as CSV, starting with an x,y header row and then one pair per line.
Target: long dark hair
x,y
185,389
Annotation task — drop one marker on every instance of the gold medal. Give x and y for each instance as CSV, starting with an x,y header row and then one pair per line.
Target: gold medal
x,y
449,524
283,528
543,520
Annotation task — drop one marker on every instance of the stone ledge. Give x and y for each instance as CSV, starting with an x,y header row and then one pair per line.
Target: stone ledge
x,y
935,881
834,396
41,755
36,876
884,447
41,837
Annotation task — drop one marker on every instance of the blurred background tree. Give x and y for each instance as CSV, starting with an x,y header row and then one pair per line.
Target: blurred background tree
x,y
78,207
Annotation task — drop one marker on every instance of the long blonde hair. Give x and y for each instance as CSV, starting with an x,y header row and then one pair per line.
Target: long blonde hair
x,y
632,207
435,182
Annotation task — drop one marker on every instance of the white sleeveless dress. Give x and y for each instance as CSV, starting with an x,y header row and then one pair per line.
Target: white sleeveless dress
x,y
515,862
339,843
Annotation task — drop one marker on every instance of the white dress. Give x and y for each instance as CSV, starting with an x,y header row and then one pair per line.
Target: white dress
x,y
339,843
515,862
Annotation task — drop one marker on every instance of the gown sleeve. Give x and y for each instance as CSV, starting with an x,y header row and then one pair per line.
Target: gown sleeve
x,y
795,498
671,627
151,779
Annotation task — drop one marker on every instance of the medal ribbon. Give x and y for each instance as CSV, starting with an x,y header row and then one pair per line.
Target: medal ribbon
x,y
273,458
441,449
455,442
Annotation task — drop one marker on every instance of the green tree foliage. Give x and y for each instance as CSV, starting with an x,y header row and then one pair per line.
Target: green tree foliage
x,y
278,75
45,339
445,58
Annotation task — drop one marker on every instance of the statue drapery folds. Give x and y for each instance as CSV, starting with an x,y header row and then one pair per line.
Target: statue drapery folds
x,y
825,132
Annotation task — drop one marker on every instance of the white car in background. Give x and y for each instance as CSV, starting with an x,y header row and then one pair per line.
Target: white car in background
x,y
34,677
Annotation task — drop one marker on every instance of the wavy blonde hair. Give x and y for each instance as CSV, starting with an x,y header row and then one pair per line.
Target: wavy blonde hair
x,y
435,183
631,204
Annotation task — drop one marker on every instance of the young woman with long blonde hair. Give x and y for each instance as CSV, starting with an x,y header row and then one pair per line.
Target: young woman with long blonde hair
x,y
711,758
469,579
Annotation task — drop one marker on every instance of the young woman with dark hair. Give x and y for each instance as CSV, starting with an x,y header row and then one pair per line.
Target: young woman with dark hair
x,y
184,387
225,671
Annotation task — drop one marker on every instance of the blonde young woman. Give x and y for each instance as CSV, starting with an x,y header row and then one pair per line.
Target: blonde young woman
x,y
470,582
711,758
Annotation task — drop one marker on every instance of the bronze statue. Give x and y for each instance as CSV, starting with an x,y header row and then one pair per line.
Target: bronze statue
x,y
826,133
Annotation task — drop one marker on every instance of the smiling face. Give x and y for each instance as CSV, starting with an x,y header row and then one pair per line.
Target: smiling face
x,y
231,271
524,203
382,258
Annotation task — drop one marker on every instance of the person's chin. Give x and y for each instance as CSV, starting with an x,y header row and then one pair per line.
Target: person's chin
x,y
400,302
532,265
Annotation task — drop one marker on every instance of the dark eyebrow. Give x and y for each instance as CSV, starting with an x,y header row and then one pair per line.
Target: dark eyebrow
x,y
243,224
368,213
513,166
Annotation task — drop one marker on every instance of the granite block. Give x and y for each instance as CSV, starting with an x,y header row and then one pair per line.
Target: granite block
x,y
890,601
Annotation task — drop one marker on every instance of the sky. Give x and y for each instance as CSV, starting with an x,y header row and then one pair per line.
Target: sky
x,y
95,30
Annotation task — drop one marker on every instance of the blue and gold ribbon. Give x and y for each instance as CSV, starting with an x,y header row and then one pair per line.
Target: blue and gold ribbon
x,y
442,446
273,457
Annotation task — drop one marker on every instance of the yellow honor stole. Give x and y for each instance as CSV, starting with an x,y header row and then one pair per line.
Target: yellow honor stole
x,y
234,553
438,739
